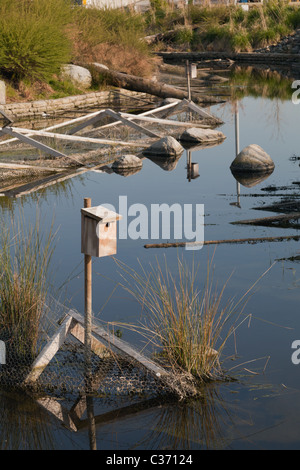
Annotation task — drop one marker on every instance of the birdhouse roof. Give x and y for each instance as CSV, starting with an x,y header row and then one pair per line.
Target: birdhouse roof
x,y
101,214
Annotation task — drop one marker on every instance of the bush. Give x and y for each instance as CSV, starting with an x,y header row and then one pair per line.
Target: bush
x,y
33,44
184,36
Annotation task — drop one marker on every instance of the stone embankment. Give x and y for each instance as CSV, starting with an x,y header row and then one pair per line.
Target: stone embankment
x,y
288,45
44,108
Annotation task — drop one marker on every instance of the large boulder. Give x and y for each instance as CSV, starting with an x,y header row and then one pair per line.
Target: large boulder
x,y
127,162
166,146
196,135
79,76
252,158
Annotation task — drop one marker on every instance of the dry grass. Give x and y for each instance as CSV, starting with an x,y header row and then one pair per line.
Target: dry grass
x,y
24,258
189,325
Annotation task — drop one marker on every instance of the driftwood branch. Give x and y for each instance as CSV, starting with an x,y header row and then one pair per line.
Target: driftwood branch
x,y
268,220
214,242
151,87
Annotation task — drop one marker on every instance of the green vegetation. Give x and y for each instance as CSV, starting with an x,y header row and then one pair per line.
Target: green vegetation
x,y
38,36
227,27
249,81
32,40
25,256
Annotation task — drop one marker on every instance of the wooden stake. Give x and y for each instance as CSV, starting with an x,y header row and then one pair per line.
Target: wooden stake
x,y
88,309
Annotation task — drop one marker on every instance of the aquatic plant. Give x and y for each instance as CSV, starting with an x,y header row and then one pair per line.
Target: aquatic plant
x,y
25,254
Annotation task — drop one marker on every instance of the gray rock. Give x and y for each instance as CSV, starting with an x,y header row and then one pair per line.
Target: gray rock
x,y
166,146
198,135
127,162
252,158
79,76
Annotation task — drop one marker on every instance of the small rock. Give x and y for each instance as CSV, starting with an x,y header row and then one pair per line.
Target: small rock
x,y
252,158
79,76
127,162
166,146
198,135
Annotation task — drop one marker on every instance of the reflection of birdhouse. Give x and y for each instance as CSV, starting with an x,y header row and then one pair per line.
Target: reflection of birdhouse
x,y
193,171
99,231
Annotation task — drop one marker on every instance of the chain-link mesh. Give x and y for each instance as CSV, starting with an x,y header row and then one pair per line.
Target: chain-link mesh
x,y
113,374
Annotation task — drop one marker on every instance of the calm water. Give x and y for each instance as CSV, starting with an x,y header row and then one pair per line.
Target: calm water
x,y
261,410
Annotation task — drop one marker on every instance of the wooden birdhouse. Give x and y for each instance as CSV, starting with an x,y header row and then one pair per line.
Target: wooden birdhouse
x,y
191,70
99,231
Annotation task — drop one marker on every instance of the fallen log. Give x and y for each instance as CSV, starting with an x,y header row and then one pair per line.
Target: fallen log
x,y
214,242
144,85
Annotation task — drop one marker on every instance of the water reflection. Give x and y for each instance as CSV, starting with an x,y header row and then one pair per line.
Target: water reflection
x,y
192,168
201,423
24,425
257,82
165,163
247,179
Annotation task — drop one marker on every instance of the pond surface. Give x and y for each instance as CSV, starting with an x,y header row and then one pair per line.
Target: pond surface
x,y
261,409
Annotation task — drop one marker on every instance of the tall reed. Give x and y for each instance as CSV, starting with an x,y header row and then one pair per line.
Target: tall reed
x,y
189,325
25,254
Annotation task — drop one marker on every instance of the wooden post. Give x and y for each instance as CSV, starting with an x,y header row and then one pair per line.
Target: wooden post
x,y
188,76
2,92
88,308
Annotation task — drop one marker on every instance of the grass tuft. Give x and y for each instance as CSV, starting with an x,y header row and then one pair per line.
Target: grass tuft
x,y
25,255
188,325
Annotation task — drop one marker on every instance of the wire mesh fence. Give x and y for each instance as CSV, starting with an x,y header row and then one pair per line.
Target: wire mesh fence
x,y
117,373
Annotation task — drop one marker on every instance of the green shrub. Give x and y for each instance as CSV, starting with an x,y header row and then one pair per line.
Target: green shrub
x,y
239,16
263,37
240,41
184,36
33,44
293,18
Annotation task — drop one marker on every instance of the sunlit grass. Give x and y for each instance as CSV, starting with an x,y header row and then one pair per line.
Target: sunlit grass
x,y
25,255
188,319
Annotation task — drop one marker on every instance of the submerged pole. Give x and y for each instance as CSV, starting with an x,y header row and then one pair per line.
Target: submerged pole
x,y
237,146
